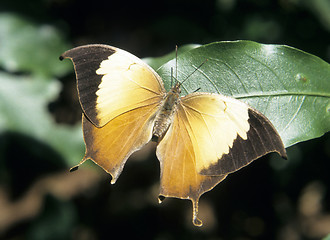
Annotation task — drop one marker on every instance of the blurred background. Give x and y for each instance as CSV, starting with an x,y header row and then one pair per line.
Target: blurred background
x,y
40,132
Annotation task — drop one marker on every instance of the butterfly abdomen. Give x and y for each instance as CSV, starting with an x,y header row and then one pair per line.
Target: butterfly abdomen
x,y
165,116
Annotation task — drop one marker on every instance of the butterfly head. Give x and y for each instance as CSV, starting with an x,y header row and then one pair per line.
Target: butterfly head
x,y
176,89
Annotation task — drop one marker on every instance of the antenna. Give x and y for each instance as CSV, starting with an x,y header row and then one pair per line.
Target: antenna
x,y
194,71
176,62
171,76
196,90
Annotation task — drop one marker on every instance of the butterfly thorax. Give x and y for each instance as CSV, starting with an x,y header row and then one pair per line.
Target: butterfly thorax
x,y
165,115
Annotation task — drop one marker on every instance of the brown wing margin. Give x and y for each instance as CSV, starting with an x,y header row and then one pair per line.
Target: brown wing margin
x,y
86,60
262,138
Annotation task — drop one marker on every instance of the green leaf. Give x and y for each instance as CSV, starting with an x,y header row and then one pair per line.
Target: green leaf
x,y
29,47
32,49
155,63
289,86
23,108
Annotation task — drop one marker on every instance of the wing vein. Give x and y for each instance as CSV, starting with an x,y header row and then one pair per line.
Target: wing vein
x,y
191,128
144,87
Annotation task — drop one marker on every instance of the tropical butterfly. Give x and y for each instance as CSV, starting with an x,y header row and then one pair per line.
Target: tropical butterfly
x,y
202,137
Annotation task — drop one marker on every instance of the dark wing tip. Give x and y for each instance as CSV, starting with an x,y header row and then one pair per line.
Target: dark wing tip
x,y
283,154
161,198
75,168
66,54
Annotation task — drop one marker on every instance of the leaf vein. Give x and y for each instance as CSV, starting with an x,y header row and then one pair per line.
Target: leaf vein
x,y
210,80
269,68
295,114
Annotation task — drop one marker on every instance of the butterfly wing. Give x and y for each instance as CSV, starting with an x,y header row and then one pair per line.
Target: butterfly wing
x,y
111,81
120,96
210,137
227,133
179,176
110,146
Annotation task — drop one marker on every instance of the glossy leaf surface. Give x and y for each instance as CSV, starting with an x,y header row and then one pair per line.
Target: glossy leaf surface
x,y
289,86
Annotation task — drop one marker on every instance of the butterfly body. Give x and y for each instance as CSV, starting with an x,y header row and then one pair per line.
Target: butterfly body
x,y
165,115
202,137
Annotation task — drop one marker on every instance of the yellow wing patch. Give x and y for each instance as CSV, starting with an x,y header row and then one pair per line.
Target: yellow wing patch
x,y
213,123
127,83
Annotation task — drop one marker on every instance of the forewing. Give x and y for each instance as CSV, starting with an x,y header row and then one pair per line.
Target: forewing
x,y
111,81
227,134
111,145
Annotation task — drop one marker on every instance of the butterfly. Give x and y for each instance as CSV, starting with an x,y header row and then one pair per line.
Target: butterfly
x,y
201,137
